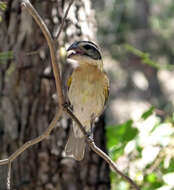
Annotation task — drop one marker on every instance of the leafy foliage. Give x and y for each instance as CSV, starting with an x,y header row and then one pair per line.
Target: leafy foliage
x,y
138,36
145,57
148,113
145,149
118,136
3,5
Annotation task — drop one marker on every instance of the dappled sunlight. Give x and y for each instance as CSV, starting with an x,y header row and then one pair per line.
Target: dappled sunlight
x,y
123,109
140,80
167,82
149,147
137,44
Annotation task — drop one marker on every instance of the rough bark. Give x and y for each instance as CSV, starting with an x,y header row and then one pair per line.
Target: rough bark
x,y
28,103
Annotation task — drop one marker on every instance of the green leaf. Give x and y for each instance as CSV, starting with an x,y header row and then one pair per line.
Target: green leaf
x,y
152,178
147,113
116,151
3,5
170,167
120,133
145,58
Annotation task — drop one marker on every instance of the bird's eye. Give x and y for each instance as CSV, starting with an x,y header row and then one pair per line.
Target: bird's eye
x,y
92,51
87,47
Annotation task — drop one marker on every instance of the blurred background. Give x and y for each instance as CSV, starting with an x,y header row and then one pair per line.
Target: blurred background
x,y
137,41
137,128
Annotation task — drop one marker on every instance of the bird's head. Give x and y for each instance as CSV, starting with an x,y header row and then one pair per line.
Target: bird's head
x,y
85,52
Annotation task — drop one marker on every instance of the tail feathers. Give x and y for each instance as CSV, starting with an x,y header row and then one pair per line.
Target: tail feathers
x,y
75,146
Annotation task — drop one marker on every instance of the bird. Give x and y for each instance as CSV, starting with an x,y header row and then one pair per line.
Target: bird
x,y
88,91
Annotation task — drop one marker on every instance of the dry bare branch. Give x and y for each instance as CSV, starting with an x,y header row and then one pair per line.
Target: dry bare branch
x,y
63,21
26,4
36,140
98,151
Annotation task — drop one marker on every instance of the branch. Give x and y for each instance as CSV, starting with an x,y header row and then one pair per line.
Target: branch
x,y
98,151
26,4
63,21
36,140
111,163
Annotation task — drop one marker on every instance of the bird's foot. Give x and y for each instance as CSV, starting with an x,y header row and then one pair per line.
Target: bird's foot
x,y
90,135
66,105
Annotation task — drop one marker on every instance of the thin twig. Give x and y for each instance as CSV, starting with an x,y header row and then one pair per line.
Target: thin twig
x,y
111,163
27,5
74,118
97,150
63,21
36,140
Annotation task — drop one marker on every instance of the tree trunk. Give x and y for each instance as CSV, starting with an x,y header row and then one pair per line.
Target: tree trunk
x,y
28,103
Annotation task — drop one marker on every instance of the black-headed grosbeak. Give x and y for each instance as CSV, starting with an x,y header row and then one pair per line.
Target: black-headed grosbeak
x,y
88,92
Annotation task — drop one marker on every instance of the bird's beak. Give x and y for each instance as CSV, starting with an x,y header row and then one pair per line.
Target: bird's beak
x,y
74,49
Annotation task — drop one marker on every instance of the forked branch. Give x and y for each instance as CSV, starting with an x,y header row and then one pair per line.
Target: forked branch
x,y
26,5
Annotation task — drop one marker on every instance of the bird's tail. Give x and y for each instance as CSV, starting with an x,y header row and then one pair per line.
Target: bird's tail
x,y
76,142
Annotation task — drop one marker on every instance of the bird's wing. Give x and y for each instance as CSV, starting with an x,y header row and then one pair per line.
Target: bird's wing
x,y
69,81
106,88
68,84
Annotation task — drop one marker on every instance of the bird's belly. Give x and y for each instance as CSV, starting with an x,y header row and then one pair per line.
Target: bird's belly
x,y
86,96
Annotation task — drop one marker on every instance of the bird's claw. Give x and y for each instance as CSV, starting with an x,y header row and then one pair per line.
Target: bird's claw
x,y
89,135
65,105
